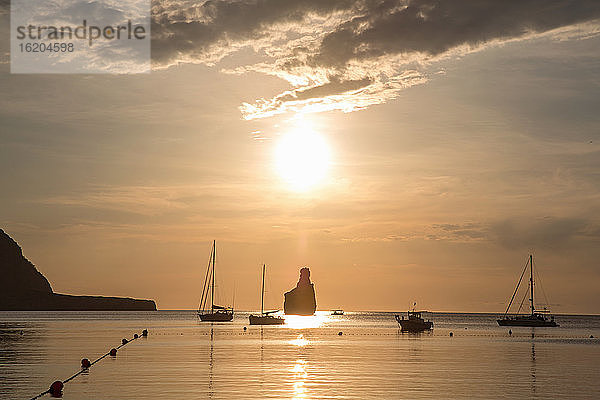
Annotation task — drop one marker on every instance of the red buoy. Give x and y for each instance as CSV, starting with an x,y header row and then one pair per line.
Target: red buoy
x,y
124,341
135,336
56,389
113,352
85,363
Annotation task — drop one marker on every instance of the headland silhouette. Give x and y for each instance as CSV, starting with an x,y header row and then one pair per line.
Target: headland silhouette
x,y
26,289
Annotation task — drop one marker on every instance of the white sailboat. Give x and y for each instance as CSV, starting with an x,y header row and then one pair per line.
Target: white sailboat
x,y
265,317
215,313
537,318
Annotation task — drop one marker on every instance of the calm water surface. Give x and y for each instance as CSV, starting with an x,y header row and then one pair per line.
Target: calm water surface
x,y
304,359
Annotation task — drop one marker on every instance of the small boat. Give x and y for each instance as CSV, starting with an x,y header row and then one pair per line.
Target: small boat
x,y
215,313
337,312
414,322
265,317
537,318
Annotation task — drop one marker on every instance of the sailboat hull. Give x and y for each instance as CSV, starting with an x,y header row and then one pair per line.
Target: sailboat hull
x,y
266,320
216,317
527,321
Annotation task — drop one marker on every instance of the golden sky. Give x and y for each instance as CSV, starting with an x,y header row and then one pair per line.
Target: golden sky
x,y
404,151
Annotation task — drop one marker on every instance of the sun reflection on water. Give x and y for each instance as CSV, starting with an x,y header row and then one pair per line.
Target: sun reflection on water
x,y
300,368
306,321
300,374
300,341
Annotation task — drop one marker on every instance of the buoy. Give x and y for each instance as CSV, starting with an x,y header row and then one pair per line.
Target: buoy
x,y
56,389
340,333
245,328
510,332
591,336
533,335
451,334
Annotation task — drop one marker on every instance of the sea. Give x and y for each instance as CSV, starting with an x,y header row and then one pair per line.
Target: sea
x,y
358,355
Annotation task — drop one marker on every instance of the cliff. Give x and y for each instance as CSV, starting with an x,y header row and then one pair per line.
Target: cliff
x,y
25,288
301,300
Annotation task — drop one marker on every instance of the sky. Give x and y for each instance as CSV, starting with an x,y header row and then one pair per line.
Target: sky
x,y
405,151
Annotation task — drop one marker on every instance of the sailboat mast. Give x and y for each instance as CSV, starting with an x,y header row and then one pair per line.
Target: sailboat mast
x,y
212,294
262,292
531,281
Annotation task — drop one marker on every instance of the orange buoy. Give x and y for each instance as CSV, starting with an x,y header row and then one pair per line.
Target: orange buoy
x,y
85,363
135,336
113,352
56,389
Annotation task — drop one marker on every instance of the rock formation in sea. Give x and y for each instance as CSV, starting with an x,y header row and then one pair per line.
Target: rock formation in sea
x,y
301,300
25,288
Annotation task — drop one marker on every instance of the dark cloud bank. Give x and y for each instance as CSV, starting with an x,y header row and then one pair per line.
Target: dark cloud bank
x,y
358,50
548,233
349,44
371,29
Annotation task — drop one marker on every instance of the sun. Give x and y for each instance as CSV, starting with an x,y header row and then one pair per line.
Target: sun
x,y
302,159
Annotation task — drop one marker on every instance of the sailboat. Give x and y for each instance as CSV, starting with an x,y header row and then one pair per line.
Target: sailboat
x,y
265,317
537,318
215,313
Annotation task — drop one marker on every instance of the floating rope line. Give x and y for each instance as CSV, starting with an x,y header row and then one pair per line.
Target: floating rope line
x,y
55,390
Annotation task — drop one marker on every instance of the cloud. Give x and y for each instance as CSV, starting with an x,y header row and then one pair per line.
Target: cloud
x,y
327,50
547,233
140,200
460,232
434,27
185,31
336,94
347,54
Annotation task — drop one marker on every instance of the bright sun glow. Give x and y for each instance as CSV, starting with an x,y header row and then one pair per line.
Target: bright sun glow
x,y
306,321
302,159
